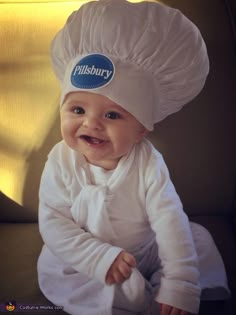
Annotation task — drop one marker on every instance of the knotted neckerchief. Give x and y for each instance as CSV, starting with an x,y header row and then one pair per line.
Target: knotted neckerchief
x,y
89,209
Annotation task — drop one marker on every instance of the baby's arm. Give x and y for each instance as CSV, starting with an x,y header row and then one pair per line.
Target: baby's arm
x,y
170,310
121,268
64,237
180,275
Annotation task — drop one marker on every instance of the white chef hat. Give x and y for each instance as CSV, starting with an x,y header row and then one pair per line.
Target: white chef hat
x,y
147,57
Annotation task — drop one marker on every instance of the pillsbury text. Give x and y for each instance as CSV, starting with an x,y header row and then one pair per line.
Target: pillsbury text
x,y
86,70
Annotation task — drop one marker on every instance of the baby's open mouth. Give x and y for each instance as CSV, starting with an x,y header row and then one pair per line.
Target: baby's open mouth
x,y
92,140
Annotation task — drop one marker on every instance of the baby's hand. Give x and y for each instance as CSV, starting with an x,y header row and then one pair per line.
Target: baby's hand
x,y
121,268
170,310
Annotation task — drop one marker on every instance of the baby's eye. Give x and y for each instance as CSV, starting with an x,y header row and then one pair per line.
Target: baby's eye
x,y
113,115
78,110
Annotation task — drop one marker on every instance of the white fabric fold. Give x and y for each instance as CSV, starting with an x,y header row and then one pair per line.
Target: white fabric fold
x,y
90,211
90,207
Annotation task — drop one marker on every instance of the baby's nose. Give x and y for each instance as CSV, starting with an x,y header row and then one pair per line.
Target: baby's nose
x,y
92,123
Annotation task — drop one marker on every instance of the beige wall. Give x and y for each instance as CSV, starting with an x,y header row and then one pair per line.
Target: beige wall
x,y
29,93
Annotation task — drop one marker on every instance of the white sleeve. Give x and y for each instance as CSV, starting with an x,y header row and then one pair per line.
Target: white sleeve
x,y
179,283
65,238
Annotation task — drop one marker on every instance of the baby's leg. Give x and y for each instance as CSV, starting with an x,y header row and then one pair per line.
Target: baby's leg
x,y
131,296
138,292
213,280
75,292
136,295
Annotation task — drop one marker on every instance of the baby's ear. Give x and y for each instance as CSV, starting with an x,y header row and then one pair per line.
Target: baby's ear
x,y
143,133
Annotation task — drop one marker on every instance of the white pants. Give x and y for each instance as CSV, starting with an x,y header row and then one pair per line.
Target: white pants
x,y
80,295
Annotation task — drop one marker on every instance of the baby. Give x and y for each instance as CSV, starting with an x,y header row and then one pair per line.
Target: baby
x,y
117,240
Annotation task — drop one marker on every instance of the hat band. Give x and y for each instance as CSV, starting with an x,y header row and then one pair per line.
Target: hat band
x,y
128,85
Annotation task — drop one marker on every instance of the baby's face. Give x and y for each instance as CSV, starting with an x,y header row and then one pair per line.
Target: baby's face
x,y
98,128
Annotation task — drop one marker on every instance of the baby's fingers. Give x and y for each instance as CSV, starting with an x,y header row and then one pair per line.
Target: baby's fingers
x,y
110,280
170,310
118,277
129,259
124,269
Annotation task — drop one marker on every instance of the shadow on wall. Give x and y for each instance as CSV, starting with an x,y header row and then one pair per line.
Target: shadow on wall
x,y
13,212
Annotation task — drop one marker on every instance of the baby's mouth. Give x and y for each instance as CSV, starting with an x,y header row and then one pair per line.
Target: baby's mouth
x,y
92,140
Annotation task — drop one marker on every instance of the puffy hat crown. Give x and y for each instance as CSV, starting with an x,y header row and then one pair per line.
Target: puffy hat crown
x,y
147,57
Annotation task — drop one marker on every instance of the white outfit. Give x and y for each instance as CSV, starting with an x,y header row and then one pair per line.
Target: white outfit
x,y
87,216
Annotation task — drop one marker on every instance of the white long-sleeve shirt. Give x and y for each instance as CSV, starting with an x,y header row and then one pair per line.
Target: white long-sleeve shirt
x,y
88,216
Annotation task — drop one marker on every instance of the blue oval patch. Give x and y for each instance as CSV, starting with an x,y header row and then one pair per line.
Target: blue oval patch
x,y
92,71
